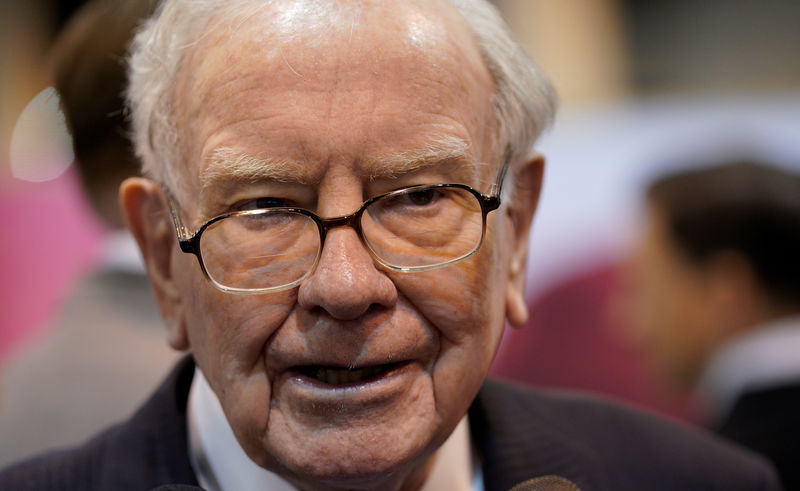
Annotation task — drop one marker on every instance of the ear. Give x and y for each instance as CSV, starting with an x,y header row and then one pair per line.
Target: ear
x,y
527,180
146,212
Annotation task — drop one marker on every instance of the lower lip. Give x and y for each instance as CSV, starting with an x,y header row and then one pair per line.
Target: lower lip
x,y
383,386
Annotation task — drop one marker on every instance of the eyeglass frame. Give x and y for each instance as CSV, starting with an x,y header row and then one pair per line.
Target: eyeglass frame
x,y
189,243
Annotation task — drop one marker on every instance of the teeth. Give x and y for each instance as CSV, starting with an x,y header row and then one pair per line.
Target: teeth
x,y
342,376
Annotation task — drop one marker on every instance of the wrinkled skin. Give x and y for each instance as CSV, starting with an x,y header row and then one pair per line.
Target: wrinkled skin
x,y
329,93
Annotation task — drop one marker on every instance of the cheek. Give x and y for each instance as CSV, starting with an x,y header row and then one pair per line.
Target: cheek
x,y
653,300
658,318
671,319
465,303
228,332
228,335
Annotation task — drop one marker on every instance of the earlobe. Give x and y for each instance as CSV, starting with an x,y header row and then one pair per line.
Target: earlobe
x,y
516,308
527,179
147,216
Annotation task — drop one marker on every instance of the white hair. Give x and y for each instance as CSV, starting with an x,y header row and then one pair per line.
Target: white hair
x,y
524,99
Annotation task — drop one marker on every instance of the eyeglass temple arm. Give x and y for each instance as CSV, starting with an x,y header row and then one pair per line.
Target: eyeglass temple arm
x,y
183,234
497,187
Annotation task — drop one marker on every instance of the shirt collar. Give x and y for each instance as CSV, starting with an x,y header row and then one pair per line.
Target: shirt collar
x,y
221,465
763,357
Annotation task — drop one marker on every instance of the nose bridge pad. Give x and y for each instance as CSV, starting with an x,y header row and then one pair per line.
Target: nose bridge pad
x,y
343,221
349,221
349,249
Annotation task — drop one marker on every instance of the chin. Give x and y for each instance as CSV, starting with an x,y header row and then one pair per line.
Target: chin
x,y
380,473
344,462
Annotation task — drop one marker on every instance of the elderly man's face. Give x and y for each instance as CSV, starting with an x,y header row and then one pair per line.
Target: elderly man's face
x,y
335,102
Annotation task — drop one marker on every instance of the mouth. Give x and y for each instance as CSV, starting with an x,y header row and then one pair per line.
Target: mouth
x,y
342,376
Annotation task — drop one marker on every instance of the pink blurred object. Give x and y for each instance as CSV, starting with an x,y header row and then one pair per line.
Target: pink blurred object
x,y
48,238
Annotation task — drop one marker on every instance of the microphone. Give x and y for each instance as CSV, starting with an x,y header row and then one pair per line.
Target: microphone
x,y
546,483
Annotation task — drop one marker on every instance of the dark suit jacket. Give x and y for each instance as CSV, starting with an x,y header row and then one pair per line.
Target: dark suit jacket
x,y
519,434
768,421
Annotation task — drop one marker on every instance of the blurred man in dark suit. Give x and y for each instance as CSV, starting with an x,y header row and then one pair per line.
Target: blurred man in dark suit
x,y
716,300
335,222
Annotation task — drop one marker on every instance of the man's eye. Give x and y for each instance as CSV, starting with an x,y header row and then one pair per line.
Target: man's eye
x,y
422,197
261,203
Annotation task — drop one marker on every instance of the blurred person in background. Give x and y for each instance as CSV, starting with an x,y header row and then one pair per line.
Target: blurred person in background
x,y
89,74
715,300
106,350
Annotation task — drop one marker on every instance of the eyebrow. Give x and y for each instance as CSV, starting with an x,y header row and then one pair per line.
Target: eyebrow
x,y
435,151
225,165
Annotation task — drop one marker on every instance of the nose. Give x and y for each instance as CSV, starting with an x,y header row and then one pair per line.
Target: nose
x,y
346,282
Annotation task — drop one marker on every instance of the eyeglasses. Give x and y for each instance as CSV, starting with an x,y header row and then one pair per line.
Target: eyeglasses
x,y
418,228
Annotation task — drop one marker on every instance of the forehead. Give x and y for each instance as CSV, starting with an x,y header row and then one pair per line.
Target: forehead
x,y
334,81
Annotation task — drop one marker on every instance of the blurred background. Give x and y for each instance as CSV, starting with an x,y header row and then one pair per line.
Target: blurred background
x,y
647,87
